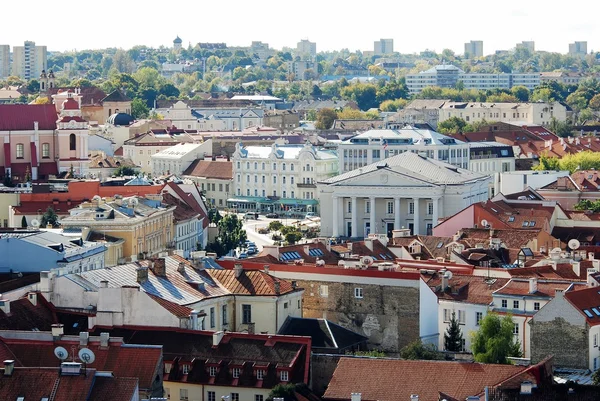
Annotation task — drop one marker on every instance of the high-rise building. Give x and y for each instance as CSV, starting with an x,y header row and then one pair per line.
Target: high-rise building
x,y
578,48
383,46
4,61
29,60
474,49
306,47
527,44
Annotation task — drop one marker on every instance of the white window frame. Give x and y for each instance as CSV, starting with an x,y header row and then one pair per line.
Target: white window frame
x,y
211,396
183,394
462,318
185,368
212,371
324,291
429,208
516,329
447,315
284,376
367,206
358,293
411,207
478,317
235,372
260,374
390,207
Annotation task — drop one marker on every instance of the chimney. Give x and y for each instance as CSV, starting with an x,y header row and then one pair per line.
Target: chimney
x,y
306,249
533,285
355,396
181,267
277,287
251,327
160,268
272,250
217,337
238,269
5,306
559,293
142,274
576,267
194,319
369,243
57,331
414,397
445,281
104,338
36,126
45,281
84,336
9,366
526,387
591,255
104,284
553,264
595,263
266,267
32,297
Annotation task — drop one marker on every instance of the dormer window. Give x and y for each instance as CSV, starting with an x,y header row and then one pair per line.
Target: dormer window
x,y
186,369
212,371
260,374
284,376
236,373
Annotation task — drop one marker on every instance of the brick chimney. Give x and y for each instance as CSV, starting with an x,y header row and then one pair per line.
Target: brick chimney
x,y
9,367
142,274
181,267
277,287
160,268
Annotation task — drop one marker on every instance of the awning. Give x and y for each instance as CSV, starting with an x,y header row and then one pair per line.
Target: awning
x,y
47,169
34,160
299,202
235,200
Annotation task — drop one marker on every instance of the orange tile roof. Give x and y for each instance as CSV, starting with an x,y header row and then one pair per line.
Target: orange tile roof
x,y
586,299
544,288
222,170
466,288
250,282
393,380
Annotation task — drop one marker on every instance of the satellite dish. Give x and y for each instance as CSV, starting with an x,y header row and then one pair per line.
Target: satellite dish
x,y
574,244
61,353
35,223
556,250
86,355
484,223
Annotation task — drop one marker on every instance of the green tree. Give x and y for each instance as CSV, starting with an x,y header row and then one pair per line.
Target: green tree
x,y
418,350
285,391
139,109
494,342
124,171
452,125
560,128
231,232
596,378
33,86
293,236
587,204
453,337
49,217
365,95
325,118
275,225
214,216
520,92
24,222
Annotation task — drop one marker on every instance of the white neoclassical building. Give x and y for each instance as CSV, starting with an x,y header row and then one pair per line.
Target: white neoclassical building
x,y
279,177
378,144
407,190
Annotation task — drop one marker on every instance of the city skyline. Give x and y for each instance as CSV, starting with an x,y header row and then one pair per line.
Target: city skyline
x,y
332,27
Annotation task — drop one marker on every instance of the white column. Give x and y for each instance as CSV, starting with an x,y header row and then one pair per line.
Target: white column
x,y
336,212
435,211
396,213
354,218
417,217
372,214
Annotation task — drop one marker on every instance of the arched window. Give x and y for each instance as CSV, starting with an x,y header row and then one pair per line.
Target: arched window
x,y
20,151
72,142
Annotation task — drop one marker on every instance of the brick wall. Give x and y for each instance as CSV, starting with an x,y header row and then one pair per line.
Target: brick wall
x,y
388,316
567,342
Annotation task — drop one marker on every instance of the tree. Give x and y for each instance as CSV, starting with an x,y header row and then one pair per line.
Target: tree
x,y
494,341
33,86
418,350
520,92
24,222
275,225
452,125
293,236
124,171
139,109
285,391
214,216
325,118
453,338
350,114
49,217
596,378
231,232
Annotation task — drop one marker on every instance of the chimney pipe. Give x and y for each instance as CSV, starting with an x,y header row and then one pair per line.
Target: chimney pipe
x,y
533,285
57,330
84,336
181,267
238,269
142,274
160,268
194,319
9,366
104,339
217,337
445,281
104,284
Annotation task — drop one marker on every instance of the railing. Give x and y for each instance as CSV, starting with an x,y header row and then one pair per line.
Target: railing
x,y
305,185
479,157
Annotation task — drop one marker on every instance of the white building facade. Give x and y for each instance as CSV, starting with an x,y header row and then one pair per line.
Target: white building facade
x,y
407,190
521,113
279,177
176,159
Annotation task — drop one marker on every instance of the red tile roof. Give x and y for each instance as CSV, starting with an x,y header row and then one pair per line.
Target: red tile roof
x,y
114,389
37,383
544,288
175,309
586,300
21,117
190,200
26,316
33,207
393,380
182,211
466,288
250,282
123,360
222,170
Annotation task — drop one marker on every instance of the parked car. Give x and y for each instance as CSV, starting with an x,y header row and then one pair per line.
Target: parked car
x,y
271,215
251,216
310,215
252,250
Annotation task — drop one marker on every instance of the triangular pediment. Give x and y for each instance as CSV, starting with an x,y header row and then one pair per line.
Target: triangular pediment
x,y
384,178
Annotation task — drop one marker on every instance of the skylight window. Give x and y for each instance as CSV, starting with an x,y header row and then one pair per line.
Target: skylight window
x,y
596,311
531,223
525,223
588,313
511,219
494,210
440,244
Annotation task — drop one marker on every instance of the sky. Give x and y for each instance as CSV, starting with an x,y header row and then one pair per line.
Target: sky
x,y
333,25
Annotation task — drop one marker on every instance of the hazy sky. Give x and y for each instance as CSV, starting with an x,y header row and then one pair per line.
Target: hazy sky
x,y
414,25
